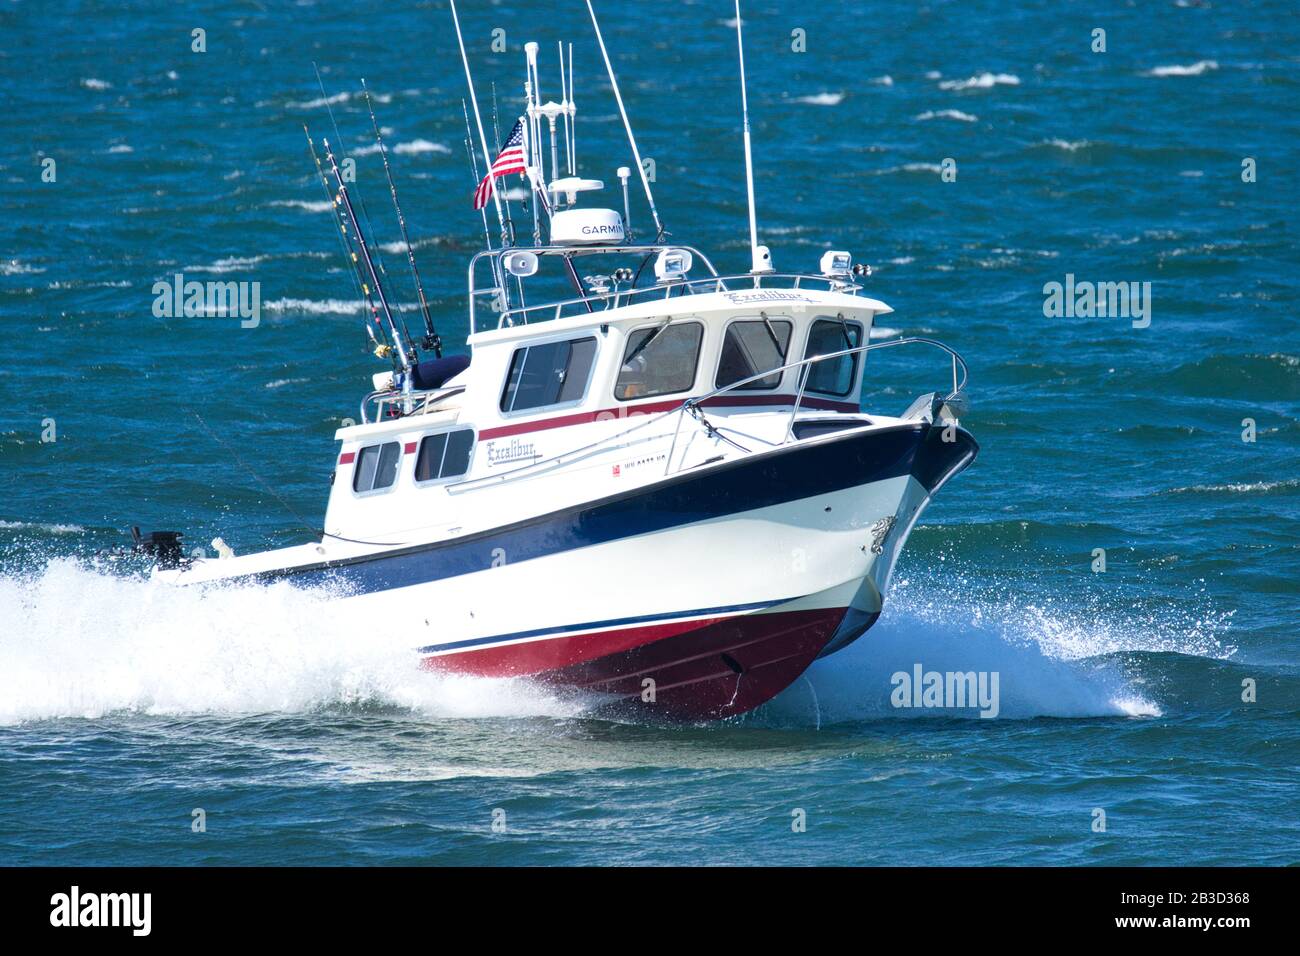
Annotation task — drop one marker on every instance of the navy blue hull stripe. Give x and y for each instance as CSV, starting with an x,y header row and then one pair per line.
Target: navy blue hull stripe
x,y
791,474
603,625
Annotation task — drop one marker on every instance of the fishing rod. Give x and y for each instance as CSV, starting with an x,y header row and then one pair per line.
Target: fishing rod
x,y
342,234
399,344
361,200
432,341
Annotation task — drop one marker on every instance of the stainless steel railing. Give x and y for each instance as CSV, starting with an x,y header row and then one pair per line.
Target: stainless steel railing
x,y
617,298
691,407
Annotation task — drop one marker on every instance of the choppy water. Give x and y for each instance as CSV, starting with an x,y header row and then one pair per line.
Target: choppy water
x,y
123,707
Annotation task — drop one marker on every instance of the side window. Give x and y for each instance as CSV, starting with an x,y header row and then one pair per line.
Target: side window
x,y
376,466
555,373
445,455
752,346
659,360
833,376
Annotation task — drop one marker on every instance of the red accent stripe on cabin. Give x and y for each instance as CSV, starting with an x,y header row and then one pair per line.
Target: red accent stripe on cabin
x,y
652,408
347,458
410,448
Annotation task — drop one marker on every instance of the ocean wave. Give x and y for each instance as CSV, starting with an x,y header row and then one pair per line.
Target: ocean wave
x,y
1194,69
981,81
306,205
91,83
40,526
1237,488
1070,146
946,114
15,268
319,102
419,146
315,306
1249,376
821,99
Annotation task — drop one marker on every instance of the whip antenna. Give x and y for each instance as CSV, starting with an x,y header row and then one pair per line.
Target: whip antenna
x,y
760,257
636,154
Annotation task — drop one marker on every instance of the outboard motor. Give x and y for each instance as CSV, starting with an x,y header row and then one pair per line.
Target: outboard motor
x,y
163,546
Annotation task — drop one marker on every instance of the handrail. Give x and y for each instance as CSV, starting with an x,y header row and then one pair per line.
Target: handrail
x,y
688,406
568,252
421,400
622,297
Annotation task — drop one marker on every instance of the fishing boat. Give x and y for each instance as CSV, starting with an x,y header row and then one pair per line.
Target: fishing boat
x,y
645,481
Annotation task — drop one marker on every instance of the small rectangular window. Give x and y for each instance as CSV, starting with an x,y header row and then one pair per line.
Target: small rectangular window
x,y
555,373
376,467
752,346
833,376
445,455
659,360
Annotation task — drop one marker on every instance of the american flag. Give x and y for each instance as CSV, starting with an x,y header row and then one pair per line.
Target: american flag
x,y
511,160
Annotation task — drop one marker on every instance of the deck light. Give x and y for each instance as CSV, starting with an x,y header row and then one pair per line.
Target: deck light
x,y
672,265
837,264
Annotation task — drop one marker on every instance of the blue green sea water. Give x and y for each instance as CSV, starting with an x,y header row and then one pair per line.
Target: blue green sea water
x,y
125,707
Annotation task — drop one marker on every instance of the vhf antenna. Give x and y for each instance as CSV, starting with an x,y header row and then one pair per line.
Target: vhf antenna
x,y
636,154
760,256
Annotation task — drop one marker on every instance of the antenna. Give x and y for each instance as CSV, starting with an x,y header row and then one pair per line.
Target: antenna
x,y
760,257
534,162
636,154
478,119
565,108
573,120
623,175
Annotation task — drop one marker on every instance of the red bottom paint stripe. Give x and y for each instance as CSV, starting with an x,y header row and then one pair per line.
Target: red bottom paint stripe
x,y
553,653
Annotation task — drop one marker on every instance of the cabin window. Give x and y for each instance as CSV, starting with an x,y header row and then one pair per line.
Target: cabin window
x,y
445,455
752,346
376,467
833,376
659,360
554,373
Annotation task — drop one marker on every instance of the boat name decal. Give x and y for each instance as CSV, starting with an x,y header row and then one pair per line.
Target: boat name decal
x,y
766,295
504,453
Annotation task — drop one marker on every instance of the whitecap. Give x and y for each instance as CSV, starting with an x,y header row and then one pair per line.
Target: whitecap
x,y
1195,69
317,205
981,81
419,146
947,114
821,99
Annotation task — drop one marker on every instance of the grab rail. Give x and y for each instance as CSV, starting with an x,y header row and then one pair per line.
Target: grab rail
x,y
689,406
617,298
